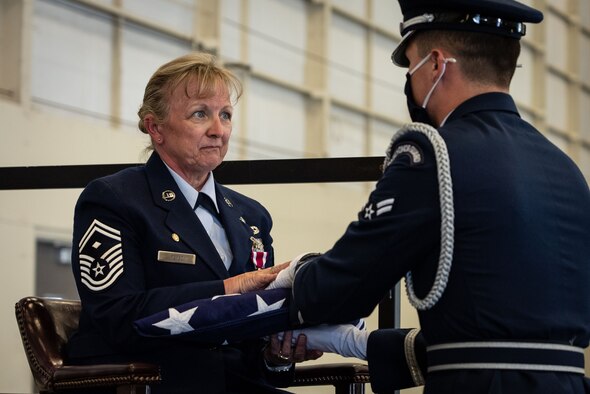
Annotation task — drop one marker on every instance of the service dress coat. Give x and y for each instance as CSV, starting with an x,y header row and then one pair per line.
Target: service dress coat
x,y
139,248
521,259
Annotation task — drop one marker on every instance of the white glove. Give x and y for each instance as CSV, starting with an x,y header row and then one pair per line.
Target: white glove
x,y
285,278
344,339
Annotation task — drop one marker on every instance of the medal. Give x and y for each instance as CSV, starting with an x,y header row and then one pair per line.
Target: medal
x,y
257,244
258,259
258,255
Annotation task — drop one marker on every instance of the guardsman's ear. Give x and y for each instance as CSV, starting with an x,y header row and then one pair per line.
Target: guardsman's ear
x,y
437,58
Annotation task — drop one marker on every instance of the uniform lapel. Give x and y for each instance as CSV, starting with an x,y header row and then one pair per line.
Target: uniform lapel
x,y
181,218
237,231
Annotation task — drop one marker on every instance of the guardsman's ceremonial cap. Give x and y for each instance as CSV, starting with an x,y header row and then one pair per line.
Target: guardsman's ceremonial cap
x,y
499,17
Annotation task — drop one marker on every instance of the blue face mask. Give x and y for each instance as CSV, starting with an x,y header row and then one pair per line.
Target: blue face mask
x,y
417,112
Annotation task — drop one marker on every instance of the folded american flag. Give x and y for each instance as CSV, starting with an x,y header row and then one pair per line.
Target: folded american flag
x,y
222,319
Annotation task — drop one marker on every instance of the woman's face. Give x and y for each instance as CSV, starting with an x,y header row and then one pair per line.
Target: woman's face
x,y
196,131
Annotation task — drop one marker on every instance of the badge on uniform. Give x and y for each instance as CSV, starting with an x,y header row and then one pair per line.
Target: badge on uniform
x,y
100,256
258,255
411,150
165,256
228,202
372,209
168,195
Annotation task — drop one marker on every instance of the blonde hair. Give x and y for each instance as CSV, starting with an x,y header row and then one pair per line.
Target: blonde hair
x,y
197,66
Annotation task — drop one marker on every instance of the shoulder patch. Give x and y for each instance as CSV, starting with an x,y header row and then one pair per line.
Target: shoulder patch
x,y
100,256
411,150
374,209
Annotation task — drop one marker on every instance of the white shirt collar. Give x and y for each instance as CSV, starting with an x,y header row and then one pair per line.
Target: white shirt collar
x,y
445,119
190,193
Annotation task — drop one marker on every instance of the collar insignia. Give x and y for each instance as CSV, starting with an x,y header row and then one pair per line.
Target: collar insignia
x,y
168,195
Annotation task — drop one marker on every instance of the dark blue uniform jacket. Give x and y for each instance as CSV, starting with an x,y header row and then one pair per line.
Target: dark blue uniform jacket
x,y
122,224
521,262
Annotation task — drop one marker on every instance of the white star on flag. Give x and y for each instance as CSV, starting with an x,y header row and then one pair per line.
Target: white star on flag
x,y
178,322
264,307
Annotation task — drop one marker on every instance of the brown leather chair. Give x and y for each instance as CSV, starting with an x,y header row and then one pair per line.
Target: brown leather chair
x,y
45,325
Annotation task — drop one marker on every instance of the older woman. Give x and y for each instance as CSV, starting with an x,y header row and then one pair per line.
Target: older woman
x,y
152,237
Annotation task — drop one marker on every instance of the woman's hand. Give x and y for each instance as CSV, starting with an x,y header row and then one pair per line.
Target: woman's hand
x,y
281,352
253,280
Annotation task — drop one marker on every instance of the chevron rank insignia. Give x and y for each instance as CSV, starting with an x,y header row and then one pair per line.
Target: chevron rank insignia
x,y
100,256
374,209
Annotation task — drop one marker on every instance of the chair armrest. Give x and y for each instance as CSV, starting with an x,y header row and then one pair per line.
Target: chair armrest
x,y
86,376
330,374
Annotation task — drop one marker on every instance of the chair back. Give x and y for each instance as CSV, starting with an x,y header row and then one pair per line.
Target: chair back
x,y
45,325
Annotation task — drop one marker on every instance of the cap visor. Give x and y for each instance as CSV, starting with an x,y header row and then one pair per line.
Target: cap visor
x,y
398,57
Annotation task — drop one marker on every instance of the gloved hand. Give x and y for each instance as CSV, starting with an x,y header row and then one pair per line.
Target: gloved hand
x,y
285,278
344,339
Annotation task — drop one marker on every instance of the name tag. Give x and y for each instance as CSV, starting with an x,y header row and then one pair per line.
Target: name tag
x,y
176,257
